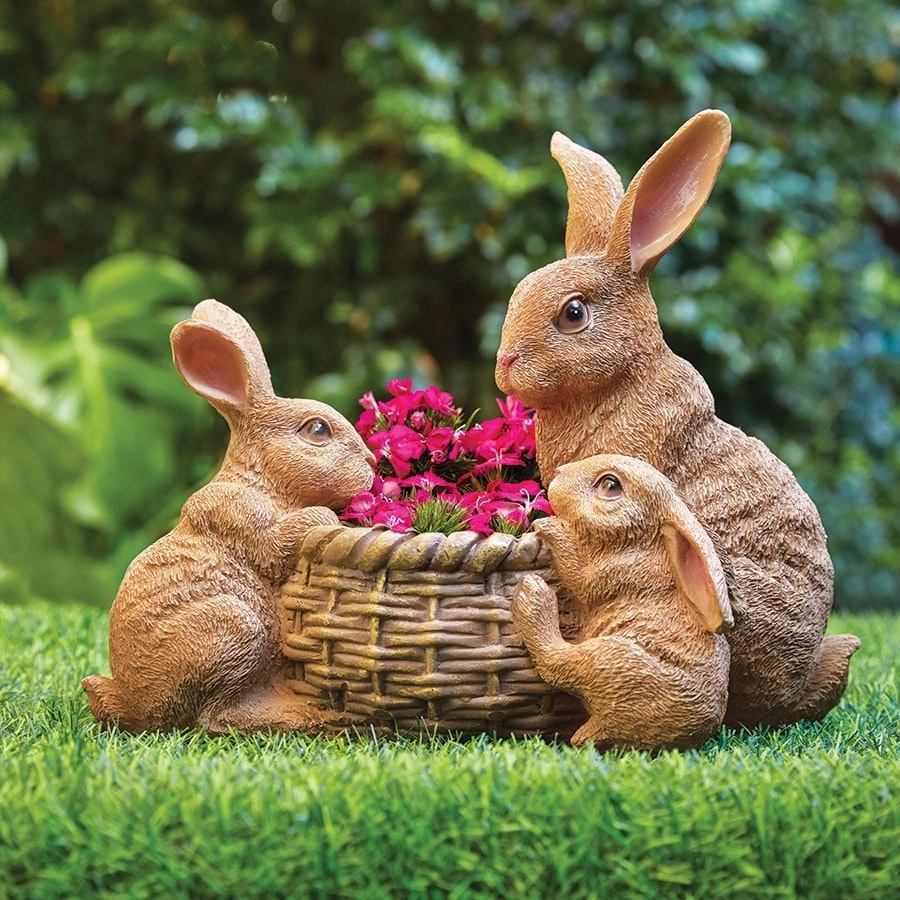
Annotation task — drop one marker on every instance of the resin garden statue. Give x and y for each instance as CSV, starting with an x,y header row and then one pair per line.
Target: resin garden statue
x,y
582,344
649,664
195,630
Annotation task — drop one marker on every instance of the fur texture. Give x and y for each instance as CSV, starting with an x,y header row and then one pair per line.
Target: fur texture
x,y
582,344
649,665
195,629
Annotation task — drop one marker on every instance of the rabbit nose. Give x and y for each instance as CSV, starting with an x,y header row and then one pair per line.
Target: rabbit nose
x,y
505,358
554,478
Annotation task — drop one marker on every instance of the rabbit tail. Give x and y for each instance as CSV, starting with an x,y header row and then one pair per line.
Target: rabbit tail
x,y
829,679
105,699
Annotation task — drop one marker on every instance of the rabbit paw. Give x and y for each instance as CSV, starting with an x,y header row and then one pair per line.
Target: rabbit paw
x,y
294,526
288,535
312,516
534,607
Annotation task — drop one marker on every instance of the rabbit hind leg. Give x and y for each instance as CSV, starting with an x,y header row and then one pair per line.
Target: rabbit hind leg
x,y
265,708
244,693
774,646
195,664
637,701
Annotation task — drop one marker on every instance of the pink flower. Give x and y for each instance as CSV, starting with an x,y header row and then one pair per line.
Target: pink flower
x,y
512,513
476,502
473,439
536,500
368,401
512,408
529,494
439,401
361,509
398,445
398,409
391,488
365,425
438,443
481,522
394,516
430,482
494,456
423,454
399,386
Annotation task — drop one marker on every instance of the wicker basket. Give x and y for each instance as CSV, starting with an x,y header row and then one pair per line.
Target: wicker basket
x,y
409,632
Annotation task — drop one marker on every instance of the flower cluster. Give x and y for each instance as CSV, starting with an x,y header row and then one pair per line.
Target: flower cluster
x,y
437,472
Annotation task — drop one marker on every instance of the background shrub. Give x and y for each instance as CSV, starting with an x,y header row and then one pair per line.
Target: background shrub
x,y
367,182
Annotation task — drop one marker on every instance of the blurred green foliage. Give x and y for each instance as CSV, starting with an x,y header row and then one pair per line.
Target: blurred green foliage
x,y
368,181
91,413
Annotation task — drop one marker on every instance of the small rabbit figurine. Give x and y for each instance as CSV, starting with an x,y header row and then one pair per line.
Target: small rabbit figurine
x,y
582,344
650,664
195,629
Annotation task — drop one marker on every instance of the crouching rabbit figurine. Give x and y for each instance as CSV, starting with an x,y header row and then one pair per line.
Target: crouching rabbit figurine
x,y
651,665
582,344
194,630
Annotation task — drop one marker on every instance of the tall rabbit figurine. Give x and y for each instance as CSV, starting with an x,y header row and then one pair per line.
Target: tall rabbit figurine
x,y
582,344
194,630
650,665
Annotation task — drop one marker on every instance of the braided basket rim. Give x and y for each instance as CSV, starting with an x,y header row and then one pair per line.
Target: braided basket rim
x,y
370,549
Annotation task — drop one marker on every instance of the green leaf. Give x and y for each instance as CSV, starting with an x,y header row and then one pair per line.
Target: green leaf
x,y
131,282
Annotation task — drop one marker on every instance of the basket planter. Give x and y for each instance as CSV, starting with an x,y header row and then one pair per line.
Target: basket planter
x,y
401,632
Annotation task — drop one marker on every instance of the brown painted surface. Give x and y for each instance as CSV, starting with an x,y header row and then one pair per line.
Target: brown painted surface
x,y
650,664
606,382
195,627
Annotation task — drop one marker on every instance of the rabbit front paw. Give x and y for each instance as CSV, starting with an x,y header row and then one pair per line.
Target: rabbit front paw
x,y
310,517
288,534
534,608
294,526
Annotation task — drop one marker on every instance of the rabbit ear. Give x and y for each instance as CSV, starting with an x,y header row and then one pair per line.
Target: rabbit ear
x,y
697,569
213,365
670,190
595,192
244,337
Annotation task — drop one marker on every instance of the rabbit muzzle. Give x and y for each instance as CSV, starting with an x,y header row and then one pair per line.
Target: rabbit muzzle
x,y
567,486
506,359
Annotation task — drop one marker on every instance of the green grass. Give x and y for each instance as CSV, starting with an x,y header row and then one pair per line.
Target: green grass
x,y
812,811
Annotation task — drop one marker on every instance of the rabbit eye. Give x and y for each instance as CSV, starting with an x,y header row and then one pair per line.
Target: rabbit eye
x,y
609,487
574,315
315,431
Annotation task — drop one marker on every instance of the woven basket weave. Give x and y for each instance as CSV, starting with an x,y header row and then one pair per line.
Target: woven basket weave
x,y
403,632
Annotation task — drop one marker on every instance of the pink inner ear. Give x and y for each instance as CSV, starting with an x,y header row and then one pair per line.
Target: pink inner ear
x,y
696,581
675,186
213,367
658,216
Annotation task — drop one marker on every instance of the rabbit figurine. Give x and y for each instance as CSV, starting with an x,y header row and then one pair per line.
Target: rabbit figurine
x,y
195,629
650,665
582,344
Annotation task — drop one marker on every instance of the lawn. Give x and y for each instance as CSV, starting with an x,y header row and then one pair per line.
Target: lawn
x,y
813,810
